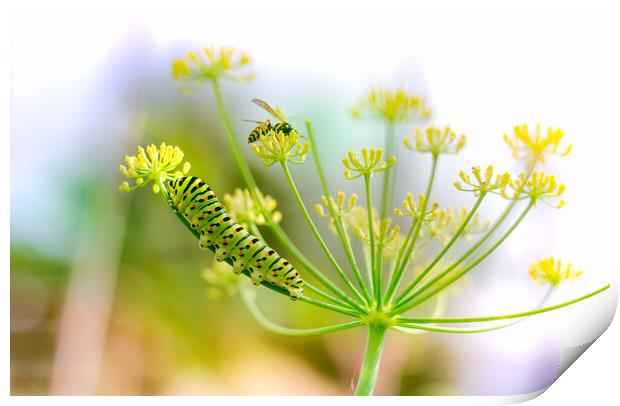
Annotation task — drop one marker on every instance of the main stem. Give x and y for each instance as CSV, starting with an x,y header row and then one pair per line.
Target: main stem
x,y
372,358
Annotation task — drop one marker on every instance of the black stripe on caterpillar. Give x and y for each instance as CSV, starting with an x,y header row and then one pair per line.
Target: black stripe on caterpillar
x,y
195,200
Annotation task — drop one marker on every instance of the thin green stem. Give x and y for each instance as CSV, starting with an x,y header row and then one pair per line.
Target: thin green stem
x,y
404,328
279,234
379,264
445,249
372,358
400,270
503,316
390,174
232,140
368,266
403,248
318,237
340,229
415,299
338,309
313,289
418,324
376,277
265,322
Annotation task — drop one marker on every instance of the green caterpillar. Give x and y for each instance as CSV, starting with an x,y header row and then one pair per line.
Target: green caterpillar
x,y
195,200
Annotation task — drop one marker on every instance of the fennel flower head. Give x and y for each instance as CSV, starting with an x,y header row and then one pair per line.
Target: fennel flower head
x,y
392,105
211,64
531,148
248,209
153,165
551,271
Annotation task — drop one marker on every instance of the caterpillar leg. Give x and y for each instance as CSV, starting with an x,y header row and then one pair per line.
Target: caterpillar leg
x,y
243,253
227,242
283,274
259,264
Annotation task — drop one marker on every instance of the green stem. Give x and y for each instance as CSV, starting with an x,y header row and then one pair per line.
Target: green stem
x,y
411,302
390,174
266,323
401,267
372,357
368,266
443,251
503,316
340,229
232,140
331,307
318,237
376,279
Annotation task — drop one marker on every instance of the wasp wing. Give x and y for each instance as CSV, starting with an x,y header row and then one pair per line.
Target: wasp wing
x,y
267,107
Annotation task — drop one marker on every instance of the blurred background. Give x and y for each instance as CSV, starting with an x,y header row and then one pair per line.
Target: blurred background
x,y
107,295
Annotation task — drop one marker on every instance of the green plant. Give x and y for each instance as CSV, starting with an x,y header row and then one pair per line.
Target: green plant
x,y
371,294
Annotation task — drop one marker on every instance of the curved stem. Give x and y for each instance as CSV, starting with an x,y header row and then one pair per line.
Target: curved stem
x,y
232,140
411,302
372,357
405,328
368,266
338,309
443,251
376,279
390,174
340,229
313,289
401,267
266,323
318,237
503,316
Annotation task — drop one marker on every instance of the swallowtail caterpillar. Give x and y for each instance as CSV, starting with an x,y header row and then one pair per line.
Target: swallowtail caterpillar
x,y
195,200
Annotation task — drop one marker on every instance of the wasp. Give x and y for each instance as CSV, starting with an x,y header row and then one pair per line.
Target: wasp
x,y
264,127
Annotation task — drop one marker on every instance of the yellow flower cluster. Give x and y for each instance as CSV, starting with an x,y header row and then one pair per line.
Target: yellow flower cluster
x,y
532,148
369,163
446,222
483,183
246,209
280,147
338,205
211,64
383,232
414,210
475,225
538,186
154,165
550,271
436,141
392,105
